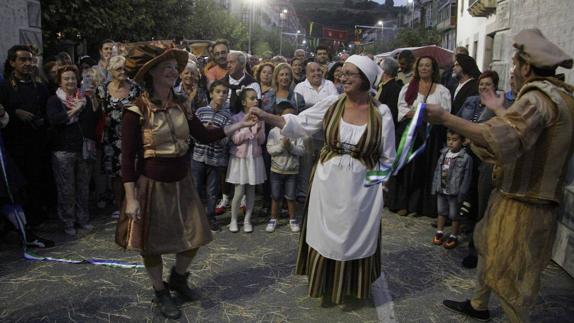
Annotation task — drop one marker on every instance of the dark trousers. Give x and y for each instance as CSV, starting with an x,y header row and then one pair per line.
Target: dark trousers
x,y
208,181
39,193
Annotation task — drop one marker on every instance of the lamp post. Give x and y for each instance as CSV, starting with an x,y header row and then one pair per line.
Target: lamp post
x,y
380,24
297,38
412,2
282,17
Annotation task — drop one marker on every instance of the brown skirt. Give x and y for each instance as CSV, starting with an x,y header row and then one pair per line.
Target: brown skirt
x,y
514,241
173,219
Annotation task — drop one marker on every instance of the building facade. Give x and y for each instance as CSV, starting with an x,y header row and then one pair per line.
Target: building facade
x,y
21,23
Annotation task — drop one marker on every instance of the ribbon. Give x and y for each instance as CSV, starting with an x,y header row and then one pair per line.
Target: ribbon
x,y
405,152
16,215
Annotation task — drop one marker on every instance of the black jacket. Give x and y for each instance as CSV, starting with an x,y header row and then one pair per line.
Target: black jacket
x,y
69,137
468,90
390,96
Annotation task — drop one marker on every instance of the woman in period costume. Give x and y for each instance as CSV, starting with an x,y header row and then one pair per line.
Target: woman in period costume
x,y
339,248
163,213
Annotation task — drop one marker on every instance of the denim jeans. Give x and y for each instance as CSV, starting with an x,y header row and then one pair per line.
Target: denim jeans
x,y
208,181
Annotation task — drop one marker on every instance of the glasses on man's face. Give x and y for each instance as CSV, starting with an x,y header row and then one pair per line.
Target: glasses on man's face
x,y
220,53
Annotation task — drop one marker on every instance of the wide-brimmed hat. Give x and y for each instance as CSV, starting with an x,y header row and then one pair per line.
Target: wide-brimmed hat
x,y
143,58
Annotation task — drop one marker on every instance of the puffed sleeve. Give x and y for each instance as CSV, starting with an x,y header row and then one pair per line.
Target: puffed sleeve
x,y
387,148
509,135
309,121
444,99
403,106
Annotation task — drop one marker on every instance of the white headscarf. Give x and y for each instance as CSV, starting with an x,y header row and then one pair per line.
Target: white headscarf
x,y
368,67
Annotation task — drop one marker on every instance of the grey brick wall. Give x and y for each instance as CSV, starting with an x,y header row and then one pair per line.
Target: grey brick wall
x,y
20,22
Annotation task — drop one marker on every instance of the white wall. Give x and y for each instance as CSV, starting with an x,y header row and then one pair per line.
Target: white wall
x,y
471,29
15,26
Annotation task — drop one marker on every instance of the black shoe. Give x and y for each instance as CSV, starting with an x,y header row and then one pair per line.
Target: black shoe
x,y
178,284
33,241
470,261
166,304
466,309
213,226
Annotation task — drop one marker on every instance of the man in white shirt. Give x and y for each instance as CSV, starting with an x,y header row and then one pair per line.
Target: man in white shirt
x,y
237,77
467,73
315,88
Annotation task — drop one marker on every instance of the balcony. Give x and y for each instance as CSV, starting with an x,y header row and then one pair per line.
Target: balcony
x,y
446,24
481,8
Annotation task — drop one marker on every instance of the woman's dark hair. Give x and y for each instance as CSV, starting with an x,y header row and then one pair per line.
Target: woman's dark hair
x,y
259,69
241,98
66,68
278,108
105,41
492,75
435,69
331,73
215,84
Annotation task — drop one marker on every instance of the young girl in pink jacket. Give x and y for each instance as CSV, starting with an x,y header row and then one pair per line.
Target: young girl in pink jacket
x,y
246,167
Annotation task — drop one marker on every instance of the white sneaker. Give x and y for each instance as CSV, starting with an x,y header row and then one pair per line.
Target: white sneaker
x,y
271,225
116,215
294,225
247,227
233,227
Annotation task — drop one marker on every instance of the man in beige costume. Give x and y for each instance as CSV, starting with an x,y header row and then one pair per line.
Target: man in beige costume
x,y
529,144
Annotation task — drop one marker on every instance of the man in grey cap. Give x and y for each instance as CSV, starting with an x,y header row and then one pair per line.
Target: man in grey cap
x,y
529,144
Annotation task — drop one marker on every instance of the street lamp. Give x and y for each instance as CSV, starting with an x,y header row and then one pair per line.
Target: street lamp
x,y
297,38
251,18
282,17
412,2
380,24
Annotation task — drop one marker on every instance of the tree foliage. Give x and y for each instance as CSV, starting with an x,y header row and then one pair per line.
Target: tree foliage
x,y
407,37
139,20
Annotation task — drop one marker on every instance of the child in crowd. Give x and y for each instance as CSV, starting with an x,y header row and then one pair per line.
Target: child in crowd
x,y
246,167
451,182
285,155
208,159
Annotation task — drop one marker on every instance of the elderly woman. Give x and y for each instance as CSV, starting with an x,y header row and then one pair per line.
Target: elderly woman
x,y
163,213
74,120
410,190
473,109
340,242
189,88
334,75
114,95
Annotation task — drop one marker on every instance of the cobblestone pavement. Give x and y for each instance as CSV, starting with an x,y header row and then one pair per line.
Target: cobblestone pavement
x,y
250,278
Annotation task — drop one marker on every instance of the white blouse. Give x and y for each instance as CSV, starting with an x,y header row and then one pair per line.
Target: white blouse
x,y
441,96
344,217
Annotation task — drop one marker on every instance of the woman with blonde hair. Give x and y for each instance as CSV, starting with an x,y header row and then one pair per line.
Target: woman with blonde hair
x,y
113,96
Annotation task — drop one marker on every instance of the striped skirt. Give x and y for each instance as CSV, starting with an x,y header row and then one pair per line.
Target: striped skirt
x,y
333,278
